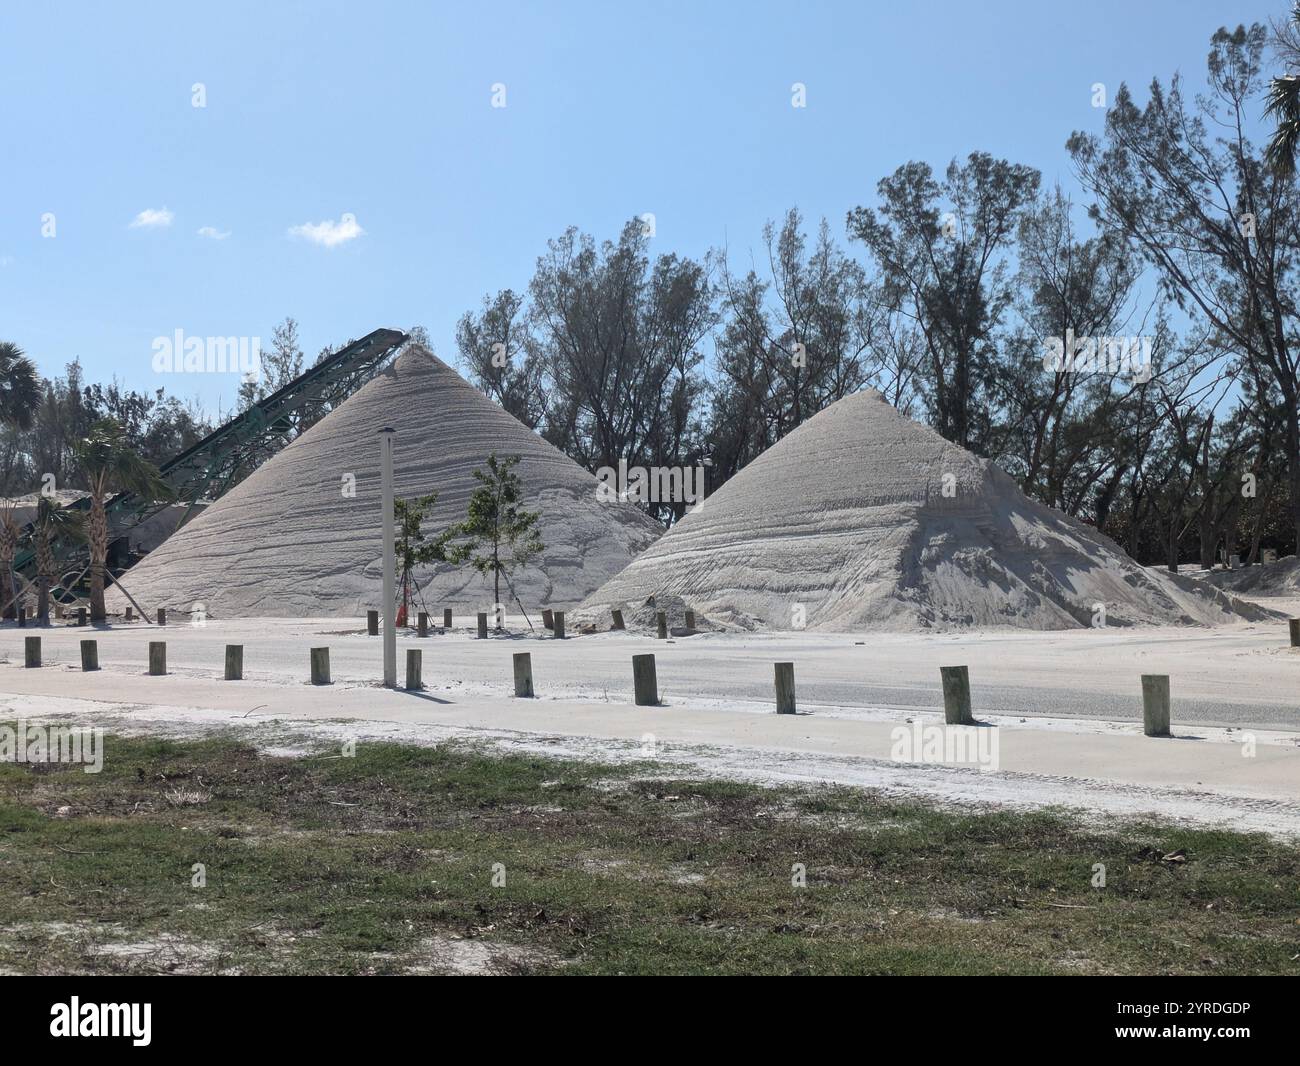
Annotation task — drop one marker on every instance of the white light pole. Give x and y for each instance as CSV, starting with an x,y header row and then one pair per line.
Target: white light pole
x,y
390,560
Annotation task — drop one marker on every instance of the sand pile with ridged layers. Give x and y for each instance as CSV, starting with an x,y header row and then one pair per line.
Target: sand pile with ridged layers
x,y
864,519
289,541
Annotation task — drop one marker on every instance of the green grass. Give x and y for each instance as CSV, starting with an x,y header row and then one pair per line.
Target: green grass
x,y
383,863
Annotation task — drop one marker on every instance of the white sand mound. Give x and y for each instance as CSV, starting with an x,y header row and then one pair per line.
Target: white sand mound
x,y
864,519
643,618
1278,578
290,541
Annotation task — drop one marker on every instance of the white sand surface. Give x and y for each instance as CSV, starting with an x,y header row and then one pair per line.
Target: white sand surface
x,y
1275,585
1066,706
864,519
291,540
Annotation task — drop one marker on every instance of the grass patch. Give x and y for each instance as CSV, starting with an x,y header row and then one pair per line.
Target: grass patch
x,y
385,862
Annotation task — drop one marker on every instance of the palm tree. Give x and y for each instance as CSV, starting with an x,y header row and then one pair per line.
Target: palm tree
x,y
110,464
20,386
53,522
8,549
20,393
1284,97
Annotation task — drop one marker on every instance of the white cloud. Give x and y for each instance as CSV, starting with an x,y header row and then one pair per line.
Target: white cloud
x,y
329,233
152,217
212,233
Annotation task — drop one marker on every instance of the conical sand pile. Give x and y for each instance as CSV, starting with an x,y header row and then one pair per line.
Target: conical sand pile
x,y
289,540
864,519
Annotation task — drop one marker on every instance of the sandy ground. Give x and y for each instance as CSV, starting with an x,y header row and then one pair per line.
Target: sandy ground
x,y
1065,707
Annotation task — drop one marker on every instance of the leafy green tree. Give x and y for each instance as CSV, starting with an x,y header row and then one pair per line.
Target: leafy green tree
x,y
413,548
601,357
110,463
498,536
280,365
1182,180
795,339
1059,434
498,347
942,250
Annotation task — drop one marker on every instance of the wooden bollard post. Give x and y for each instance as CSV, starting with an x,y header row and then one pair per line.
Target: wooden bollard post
x,y
559,625
130,613
162,616
234,662
320,666
22,617
523,674
548,618
784,688
644,682
90,655
1294,624
690,621
372,623
956,695
618,619
32,651
422,624
661,621
157,657
482,625
81,616
413,669
1155,705
58,611
446,618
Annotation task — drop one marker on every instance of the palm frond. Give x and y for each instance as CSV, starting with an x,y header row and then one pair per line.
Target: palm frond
x,y
110,461
20,386
1284,106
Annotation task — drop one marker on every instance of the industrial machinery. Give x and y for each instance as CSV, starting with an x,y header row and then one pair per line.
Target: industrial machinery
x,y
207,469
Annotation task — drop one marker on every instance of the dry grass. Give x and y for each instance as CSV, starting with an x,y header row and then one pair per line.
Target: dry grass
x,y
416,860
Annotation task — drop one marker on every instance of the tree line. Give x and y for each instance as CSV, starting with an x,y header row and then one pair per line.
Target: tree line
x,y
1131,360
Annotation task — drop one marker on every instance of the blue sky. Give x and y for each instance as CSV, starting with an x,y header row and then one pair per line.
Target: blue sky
x,y
383,111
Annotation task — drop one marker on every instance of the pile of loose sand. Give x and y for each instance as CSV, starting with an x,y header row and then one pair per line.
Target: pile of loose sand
x,y
302,534
643,618
1280,578
864,519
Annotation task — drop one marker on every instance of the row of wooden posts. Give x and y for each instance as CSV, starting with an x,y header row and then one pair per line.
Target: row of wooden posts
x,y
157,656
552,620
82,615
957,708
954,679
643,669
645,685
320,660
